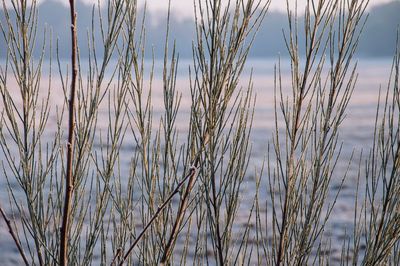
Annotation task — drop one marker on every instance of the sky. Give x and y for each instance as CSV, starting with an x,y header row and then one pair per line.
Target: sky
x,y
184,8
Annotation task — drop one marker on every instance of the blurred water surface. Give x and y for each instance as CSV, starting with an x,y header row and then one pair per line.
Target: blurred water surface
x,y
356,134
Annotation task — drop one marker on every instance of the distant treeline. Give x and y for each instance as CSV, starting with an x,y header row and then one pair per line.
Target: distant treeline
x,y
378,38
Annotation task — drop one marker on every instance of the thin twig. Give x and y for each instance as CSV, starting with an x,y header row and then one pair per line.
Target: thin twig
x,y
190,175
181,213
14,236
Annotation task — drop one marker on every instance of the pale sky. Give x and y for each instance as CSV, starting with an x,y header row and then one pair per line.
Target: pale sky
x,y
184,8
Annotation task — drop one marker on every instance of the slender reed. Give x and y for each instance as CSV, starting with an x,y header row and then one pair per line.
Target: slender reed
x,y
382,216
311,117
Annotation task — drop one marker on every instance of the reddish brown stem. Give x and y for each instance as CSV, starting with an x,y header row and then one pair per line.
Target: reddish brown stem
x,y
190,176
69,180
178,222
14,236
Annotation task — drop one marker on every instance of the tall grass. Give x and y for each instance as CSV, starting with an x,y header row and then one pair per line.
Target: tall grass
x,y
305,148
72,199
380,225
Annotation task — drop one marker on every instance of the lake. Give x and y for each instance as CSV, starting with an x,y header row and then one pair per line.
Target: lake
x,y
356,135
